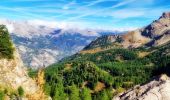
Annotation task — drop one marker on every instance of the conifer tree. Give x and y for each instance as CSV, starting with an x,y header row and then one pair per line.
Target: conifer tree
x,y
85,94
74,95
59,91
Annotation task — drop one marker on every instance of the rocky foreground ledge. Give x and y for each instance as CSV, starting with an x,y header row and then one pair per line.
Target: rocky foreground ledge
x,y
157,89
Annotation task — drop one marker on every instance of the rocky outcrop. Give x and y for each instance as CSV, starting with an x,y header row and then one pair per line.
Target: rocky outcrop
x,y
158,30
165,15
13,74
155,34
158,27
134,39
165,38
157,89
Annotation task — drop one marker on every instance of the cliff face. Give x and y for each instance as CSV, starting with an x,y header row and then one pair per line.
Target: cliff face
x,y
155,34
157,89
13,74
158,27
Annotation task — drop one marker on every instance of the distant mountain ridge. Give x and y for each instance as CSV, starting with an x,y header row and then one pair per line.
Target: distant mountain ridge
x,y
155,34
42,45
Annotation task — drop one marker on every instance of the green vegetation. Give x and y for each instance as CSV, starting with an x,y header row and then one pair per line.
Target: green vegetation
x,y
85,71
85,94
32,73
13,94
116,69
111,55
161,59
105,42
21,91
6,47
2,95
59,91
74,93
104,96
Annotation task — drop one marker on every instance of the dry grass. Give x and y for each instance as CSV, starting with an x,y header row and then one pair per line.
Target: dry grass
x,y
143,54
99,87
84,84
67,66
91,51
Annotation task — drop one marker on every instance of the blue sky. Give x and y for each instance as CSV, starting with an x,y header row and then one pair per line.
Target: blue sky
x,y
102,14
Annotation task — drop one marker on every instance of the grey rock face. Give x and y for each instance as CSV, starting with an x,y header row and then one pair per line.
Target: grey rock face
x,y
157,89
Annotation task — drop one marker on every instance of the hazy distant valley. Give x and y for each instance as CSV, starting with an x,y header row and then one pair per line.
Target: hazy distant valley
x,y
42,45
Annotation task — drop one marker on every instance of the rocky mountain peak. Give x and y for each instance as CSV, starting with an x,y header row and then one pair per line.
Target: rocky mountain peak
x,y
166,15
155,34
158,27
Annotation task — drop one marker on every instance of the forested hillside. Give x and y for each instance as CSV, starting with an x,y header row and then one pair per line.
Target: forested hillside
x,y
112,64
106,73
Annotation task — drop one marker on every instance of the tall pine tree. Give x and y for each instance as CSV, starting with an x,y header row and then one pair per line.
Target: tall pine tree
x,y
74,95
85,94
59,91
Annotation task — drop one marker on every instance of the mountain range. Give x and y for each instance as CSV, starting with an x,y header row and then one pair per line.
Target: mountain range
x,y
41,45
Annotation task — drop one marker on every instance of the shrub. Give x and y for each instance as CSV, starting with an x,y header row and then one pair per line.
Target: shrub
x,y
21,91
2,95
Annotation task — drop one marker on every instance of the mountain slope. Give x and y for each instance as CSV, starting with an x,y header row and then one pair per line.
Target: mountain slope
x,y
128,60
41,51
13,74
155,34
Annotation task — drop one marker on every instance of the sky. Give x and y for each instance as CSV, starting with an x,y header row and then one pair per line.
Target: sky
x,y
94,14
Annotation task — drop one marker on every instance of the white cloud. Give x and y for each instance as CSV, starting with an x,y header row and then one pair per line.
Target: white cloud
x,y
95,2
37,22
79,9
102,10
31,28
67,6
127,13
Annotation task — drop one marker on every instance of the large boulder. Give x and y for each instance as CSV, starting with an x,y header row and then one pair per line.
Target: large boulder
x,y
157,89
